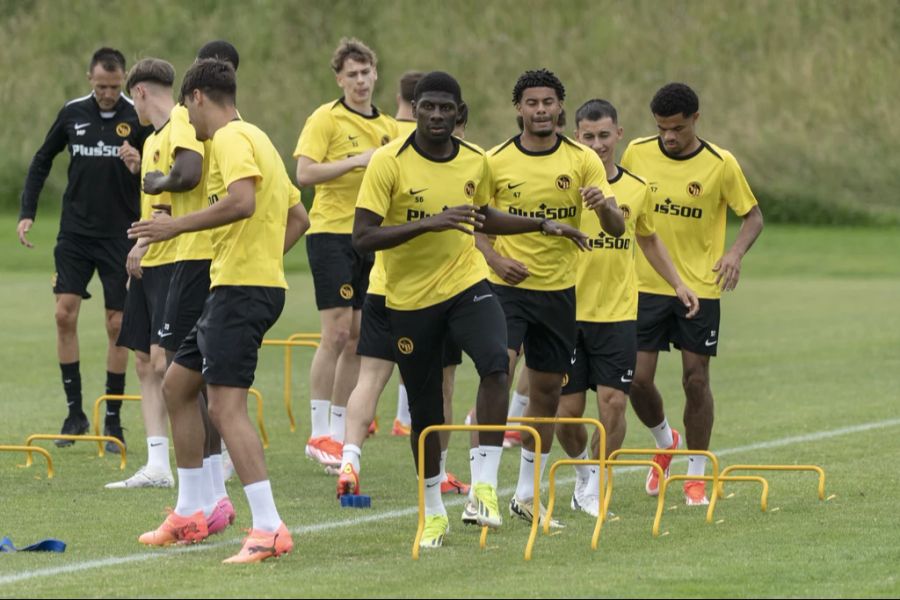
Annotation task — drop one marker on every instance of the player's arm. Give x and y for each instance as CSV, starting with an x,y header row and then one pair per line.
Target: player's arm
x,y
185,174
369,235
238,204
728,268
297,224
658,257
310,172
54,143
509,270
611,218
500,223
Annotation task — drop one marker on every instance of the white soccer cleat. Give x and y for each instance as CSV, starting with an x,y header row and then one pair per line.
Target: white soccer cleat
x,y
145,478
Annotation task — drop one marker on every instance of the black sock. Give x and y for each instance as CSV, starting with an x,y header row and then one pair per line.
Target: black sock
x,y
115,385
71,378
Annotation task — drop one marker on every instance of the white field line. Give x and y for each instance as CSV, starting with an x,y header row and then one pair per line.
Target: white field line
x,y
393,514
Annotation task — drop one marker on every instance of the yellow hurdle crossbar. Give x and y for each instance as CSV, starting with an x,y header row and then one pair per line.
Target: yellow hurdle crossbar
x,y
105,398
259,416
28,450
719,490
77,438
421,470
303,340
551,503
610,463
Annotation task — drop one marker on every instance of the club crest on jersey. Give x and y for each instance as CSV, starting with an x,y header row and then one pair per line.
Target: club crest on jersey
x,y
123,129
405,345
54,279
694,189
156,156
470,189
385,139
563,182
346,291
565,380
626,211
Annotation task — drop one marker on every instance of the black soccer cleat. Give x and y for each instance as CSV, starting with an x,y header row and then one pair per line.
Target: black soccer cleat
x,y
73,425
114,428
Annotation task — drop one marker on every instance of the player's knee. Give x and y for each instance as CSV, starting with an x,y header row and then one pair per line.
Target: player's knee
x,y
614,402
336,338
158,362
113,323
695,383
142,365
66,317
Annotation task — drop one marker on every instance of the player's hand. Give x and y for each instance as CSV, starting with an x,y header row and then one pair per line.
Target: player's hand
x,y
689,299
131,157
593,198
362,160
159,209
22,229
133,262
158,229
151,183
578,237
465,218
510,270
728,271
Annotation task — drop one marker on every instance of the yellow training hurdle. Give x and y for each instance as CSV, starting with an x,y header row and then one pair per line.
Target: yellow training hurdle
x,y
76,438
304,340
719,491
529,546
259,416
104,398
29,450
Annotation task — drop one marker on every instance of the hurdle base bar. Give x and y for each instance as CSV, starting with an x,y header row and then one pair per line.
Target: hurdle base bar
x,y
29,450
100,439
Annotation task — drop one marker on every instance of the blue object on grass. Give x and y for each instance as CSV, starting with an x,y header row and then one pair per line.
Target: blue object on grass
x,y
51,545
352,501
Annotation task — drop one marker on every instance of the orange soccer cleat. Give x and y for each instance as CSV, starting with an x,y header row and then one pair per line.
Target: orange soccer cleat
x,y
400,428
177,530
663,460
695,493
348,482
260,545
452,485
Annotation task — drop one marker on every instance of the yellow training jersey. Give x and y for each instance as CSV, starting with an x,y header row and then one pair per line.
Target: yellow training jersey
x,y
403,185
606,286
543,185
377,277
689,195
195,245
156,155
404,127
249,252
336,132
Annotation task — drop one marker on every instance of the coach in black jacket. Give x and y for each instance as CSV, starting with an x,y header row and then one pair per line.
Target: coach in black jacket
x,y
101,201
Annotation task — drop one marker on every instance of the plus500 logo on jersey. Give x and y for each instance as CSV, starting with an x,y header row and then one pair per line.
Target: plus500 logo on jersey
x,y
546,212
677,210
608,242
100,149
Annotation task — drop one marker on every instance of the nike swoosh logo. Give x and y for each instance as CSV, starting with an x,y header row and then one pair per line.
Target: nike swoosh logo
x,y
573,360
483,454
162,335
623,380
80,126
413,192
528,461
155,445
709,343
512,187
352,137
67,381
480,298
431,485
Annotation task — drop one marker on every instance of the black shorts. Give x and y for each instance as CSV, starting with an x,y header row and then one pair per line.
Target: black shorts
x,y
661,322
187,295
224,344
544,322
77,256
145,307
474,319
375,334
340,273
605,354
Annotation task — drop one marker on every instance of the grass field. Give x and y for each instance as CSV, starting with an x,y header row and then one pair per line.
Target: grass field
x,y
809,372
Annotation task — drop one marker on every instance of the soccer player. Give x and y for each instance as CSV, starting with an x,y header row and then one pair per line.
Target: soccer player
x,y
334,148
256,215
172,158
102,198
540,173
691,183
419,201
606,303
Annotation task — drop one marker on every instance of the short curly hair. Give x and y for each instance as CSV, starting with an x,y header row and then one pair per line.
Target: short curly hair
x,y
352,48
538,78
675,99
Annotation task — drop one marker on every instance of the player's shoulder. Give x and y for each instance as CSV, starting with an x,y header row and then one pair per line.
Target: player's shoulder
x,y
643,144
631,177
326,111
717,151
502,147
77,105
465,146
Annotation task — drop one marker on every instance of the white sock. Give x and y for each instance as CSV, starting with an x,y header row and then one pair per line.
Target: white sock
x,y
517,405
490,464
158,454
593,484
319,411
443,465
663,434
262,506
190,492
696,465
209,490
525,487
351,455
434,504
337,423
474,469
403,405
582,472
218,476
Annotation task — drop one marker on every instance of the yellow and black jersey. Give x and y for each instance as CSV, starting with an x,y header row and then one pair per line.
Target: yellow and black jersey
x,y
405,127
543,185
402,184
377,277
249,252
157,155
606,286
336,132
689,196
195,245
